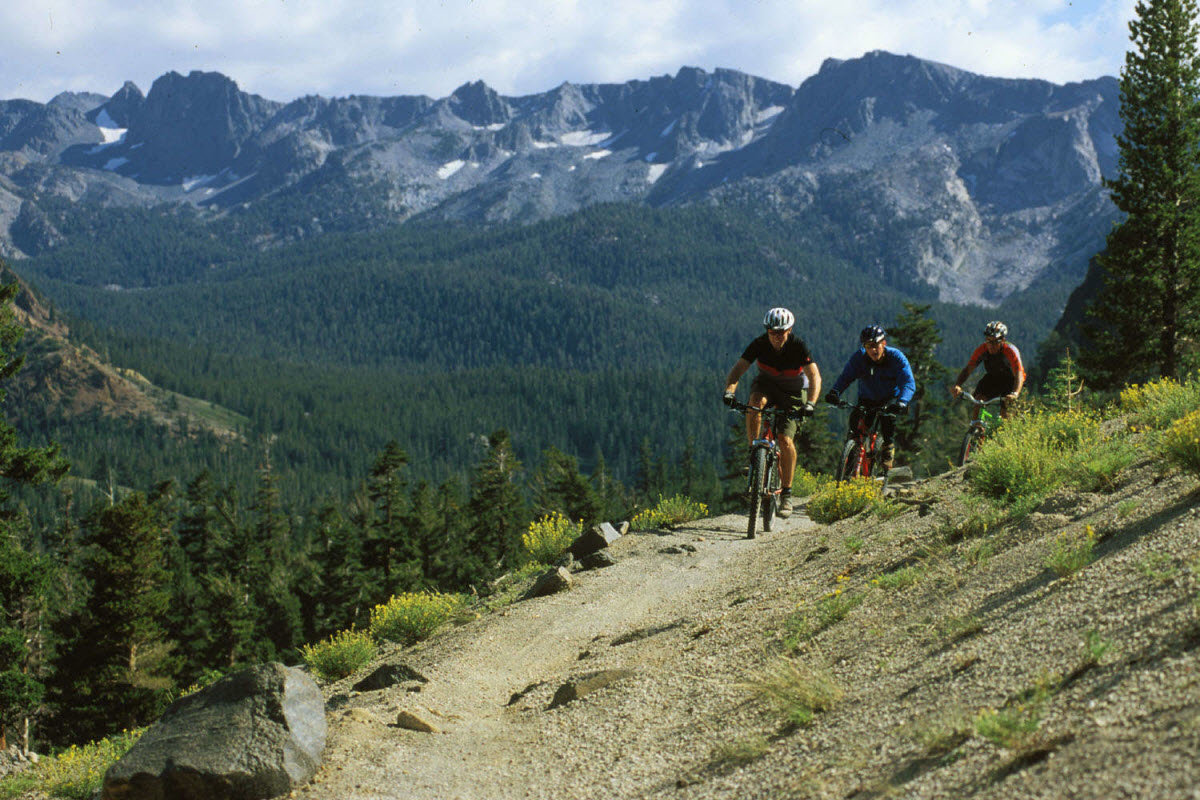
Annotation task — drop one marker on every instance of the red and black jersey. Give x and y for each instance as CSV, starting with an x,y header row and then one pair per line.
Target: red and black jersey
x,y
785,366
1004,362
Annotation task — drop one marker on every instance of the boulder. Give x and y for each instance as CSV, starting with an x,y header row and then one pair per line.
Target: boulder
x,y
598,560
587,683
548,583
596,538
389,675
257,733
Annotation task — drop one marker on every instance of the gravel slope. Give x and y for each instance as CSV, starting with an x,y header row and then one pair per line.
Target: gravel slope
x,y
944,626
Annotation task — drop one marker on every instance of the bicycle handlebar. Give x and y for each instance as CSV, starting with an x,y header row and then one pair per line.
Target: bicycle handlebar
x,y
878,409
972,399
742,408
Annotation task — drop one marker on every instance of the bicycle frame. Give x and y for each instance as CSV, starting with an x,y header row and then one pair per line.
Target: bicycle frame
x,y
859,451
979,428
763,484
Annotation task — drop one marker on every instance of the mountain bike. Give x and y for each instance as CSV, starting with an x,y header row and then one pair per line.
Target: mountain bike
x,y
859,453
763,486
979,428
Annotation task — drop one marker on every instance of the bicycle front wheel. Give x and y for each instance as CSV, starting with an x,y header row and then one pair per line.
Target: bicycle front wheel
x,y
758,472
851,462
970,444
770,498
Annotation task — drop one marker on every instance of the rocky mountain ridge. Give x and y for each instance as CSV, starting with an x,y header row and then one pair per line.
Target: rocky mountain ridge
x,y
923,173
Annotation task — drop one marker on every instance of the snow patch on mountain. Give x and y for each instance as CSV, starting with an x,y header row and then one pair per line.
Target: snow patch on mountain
x,y
450,167
585,138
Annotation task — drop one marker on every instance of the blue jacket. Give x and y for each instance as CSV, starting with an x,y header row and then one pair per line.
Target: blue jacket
x,y
890,379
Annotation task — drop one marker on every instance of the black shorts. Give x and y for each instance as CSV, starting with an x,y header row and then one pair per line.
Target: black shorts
x,y
996,385
780,399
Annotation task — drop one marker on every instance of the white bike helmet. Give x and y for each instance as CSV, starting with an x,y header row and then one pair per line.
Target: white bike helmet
x,y
995,330
779,319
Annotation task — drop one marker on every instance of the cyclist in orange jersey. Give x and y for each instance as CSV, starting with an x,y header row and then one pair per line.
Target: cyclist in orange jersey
x,y
1003,372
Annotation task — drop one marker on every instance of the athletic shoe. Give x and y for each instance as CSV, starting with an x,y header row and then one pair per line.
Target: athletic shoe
x,y
785,504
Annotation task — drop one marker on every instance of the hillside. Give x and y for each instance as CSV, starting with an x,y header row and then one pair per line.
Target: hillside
x,y
959,664
64,377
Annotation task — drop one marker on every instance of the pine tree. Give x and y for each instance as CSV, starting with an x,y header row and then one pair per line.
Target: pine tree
x,y
918,336
610,494
390,549
341,587
496,512
559,486
112,668
25,579
1145,320
274,564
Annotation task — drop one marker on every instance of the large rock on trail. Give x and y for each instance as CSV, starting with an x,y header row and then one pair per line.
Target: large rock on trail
x,y
254,734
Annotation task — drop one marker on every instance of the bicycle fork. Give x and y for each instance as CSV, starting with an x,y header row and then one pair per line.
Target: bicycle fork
x,y
772,456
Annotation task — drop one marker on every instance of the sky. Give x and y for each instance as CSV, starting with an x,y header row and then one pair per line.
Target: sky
x,y
285,49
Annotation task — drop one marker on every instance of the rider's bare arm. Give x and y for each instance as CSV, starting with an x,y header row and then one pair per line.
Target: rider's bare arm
x,y
735,374
814,381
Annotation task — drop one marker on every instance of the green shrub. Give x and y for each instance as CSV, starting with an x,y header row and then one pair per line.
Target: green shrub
x,y
669,511
73,774
412,616
898,578
1097,468
1015,726
549,537
1010,728
983,520
1180,444
798,690
806,622
805,483
1157,404
835,501
1072,551
1030,455
340,655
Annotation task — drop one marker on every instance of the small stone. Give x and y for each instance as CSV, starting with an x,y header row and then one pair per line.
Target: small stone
x,y
410,721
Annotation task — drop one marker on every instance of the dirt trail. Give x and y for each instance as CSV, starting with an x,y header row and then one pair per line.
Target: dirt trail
x,y
486,748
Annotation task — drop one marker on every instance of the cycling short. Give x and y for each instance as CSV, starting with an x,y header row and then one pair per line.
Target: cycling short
x,y
779,398
995,386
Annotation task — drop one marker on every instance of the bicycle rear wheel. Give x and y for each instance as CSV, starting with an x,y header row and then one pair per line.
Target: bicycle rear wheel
x,y
851,462
758,470
970,444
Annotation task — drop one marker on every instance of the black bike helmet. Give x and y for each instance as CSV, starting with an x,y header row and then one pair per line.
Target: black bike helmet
x,y
995,330
872,334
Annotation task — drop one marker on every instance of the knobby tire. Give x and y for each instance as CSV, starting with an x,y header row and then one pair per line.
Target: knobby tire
x,y
969,445
769,498
851,461
758,469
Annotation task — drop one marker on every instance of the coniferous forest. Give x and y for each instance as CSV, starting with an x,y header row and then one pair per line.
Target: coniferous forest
x,y
394,408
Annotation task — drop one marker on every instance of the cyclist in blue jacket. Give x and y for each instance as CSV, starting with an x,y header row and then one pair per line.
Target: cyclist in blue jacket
x,y
885,381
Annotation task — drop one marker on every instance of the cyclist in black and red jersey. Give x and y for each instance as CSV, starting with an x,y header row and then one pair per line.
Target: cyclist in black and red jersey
x,y
787,378
1003,372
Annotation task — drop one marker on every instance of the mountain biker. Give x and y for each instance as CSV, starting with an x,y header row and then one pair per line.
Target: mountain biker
x,y
787,378
1003,373
885,381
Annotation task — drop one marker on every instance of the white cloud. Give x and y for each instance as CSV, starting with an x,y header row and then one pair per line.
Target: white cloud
x,y
283,49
